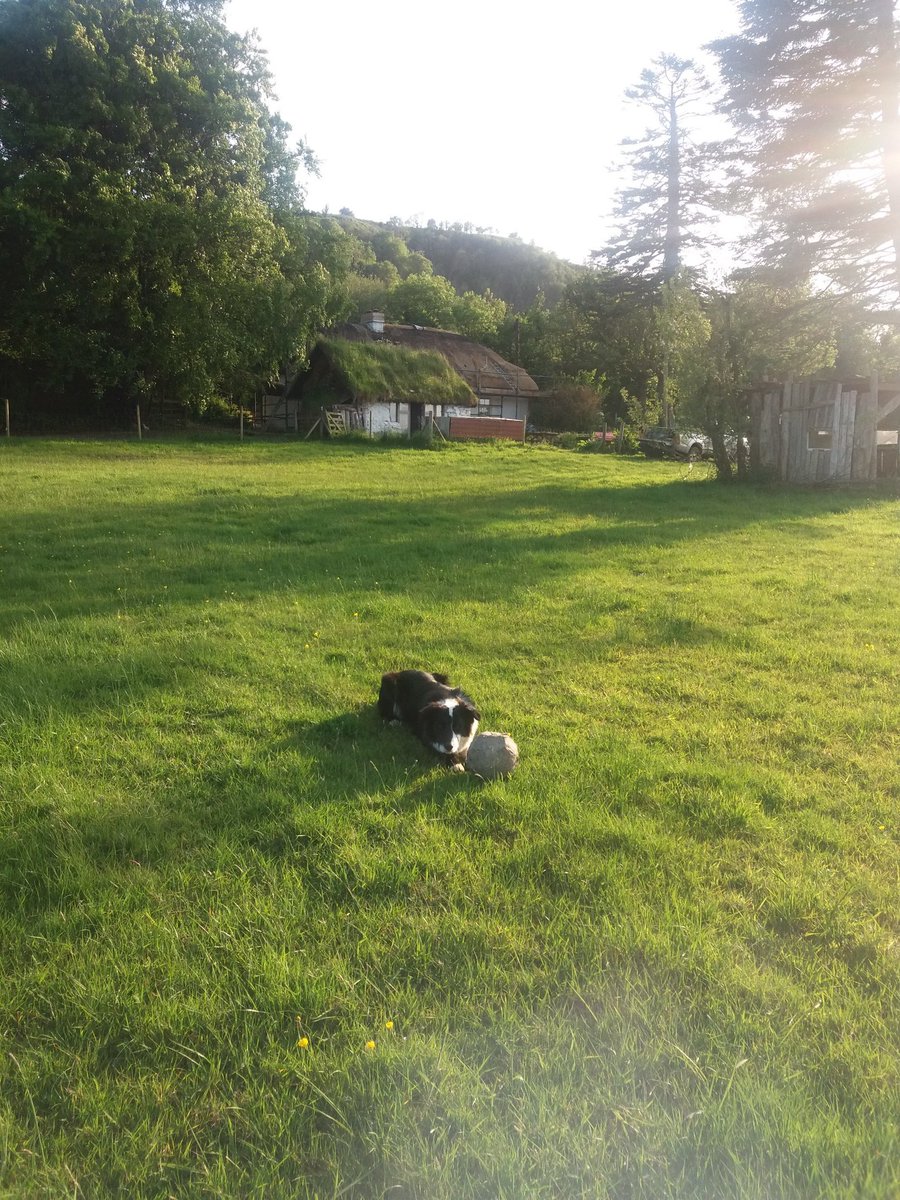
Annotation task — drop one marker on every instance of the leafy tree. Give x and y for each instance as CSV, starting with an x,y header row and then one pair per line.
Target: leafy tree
x,y
423,300
778,330
622,327
571,407
316,273
598,330
863,348
757,329
367,295
813,87
390,247
386,274
151,243
479,317
528,339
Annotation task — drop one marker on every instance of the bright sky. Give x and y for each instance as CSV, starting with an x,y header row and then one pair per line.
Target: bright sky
x,y
505,115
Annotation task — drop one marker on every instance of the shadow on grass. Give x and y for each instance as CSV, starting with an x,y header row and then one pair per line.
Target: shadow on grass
x,y
165,561
228,542
290,804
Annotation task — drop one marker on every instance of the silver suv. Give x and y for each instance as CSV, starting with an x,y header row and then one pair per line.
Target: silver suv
x,y
660,442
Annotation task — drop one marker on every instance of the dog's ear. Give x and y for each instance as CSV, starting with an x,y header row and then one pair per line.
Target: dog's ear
x,y
443,679
387,694
470,708
388,687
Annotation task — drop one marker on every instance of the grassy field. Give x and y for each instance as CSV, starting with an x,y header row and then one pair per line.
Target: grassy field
x,y
254,945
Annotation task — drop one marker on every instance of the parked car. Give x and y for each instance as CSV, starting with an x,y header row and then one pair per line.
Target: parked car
x,y
661,442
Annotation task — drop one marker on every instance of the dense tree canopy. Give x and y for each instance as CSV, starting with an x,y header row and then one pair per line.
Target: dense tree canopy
x,y
150,239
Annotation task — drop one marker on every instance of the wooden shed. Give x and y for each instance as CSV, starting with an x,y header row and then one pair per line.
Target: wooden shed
x,y
832,431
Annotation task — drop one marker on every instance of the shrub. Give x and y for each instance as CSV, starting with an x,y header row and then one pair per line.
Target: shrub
x,y
571,407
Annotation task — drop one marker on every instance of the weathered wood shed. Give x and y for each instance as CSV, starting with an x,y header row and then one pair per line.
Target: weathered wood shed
x,y
832,431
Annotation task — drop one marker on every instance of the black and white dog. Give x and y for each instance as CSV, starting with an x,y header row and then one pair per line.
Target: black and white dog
x,y
442,717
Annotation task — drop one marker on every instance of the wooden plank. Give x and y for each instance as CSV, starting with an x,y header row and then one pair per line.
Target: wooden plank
x,y
846,408
784,417
770,431
803,463
826,418
865,445
887,404
756,410
824,463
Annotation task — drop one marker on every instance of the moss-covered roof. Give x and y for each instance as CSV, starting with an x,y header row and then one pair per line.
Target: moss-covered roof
x,y
373,371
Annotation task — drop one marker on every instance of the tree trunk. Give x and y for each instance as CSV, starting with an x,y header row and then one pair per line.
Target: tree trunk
x,y
662,391
672,247
672,250
889,87
743,466
720,457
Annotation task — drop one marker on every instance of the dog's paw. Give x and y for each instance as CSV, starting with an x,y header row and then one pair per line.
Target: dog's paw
x,y
457,766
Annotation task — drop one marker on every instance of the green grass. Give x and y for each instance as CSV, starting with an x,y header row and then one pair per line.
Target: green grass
x,y
660,961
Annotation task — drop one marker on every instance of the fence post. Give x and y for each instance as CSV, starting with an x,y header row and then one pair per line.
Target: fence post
x,y
6,406
242,422
137,409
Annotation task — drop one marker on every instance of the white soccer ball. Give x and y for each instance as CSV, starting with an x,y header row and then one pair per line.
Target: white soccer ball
x,y
492,755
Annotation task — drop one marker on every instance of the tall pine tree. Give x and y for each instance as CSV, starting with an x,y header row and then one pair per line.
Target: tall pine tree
x,y
812,87
662,210
665,210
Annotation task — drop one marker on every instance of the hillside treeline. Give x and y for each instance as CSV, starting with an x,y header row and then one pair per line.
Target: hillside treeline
x,y
155,246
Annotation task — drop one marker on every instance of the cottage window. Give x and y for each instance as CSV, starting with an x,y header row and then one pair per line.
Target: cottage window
x,y
490,408
819,439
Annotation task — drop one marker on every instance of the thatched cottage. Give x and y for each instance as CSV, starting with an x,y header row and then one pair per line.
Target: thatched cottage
x,y
385,377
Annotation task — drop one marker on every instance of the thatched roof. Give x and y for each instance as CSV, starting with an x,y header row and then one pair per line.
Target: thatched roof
x,y
364,371
484,370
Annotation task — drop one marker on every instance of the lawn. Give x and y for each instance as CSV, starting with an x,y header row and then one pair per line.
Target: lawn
x,y
254,945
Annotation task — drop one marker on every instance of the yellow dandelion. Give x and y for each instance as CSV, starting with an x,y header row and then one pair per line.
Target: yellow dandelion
x,y
389,1024
303,1042
370,1045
